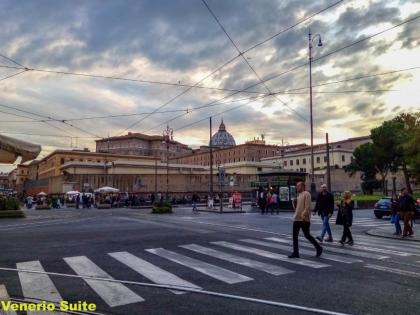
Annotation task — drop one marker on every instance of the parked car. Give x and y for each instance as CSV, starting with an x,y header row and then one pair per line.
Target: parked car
x,y
383,208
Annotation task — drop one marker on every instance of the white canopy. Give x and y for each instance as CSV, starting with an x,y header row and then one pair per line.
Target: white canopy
x,y
11,149
72,192
107,189
41,194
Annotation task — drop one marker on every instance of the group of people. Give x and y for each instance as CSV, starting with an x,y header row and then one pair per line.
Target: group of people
x,y
403,208
324,207
268,201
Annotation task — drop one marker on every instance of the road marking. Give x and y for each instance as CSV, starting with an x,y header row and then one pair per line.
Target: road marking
x,y
344,250
151,272
410,251
346,260
213,271
263,253
37,286
114,294
393,270
4,296
389,241
373,249
268,268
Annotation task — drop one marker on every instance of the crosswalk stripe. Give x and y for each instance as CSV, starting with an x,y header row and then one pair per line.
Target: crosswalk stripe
x,y
409,251
373,249
37,286
151,272
263,253
345,250
268,268
210,270
394,270
346,260
114,294
389,241
4,296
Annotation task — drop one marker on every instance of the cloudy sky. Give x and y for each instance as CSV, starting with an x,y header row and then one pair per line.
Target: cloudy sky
x,y
179,42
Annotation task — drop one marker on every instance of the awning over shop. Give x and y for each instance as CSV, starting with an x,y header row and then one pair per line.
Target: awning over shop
x,y
11,149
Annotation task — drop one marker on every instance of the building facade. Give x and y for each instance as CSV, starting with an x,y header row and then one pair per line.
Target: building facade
x,y
142,145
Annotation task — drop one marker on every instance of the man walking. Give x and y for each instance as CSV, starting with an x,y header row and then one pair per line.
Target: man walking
x,y
302,221
325,208
407,210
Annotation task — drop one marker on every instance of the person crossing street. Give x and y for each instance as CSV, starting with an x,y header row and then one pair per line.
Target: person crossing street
x,y
302,220
325,208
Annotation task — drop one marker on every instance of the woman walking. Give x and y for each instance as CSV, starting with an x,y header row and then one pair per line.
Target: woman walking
x,y
395,208
345,217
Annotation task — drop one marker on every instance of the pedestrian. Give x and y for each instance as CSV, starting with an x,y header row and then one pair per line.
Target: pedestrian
x,y
77,201
194,200
302,220
325,208
275,201
407,210
345,217
269,202
395,214
262,200
152,198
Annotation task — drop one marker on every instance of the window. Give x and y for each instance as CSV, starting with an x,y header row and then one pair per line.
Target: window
x,y
343,158
297,161
304,161
291,162
318,159
325,158
285,163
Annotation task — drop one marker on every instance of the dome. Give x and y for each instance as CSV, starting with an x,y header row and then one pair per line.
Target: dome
x,y
222,138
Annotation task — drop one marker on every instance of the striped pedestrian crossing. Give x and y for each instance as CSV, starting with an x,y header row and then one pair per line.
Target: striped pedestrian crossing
x,y
114,294
267,254
213,271
253,253
268,268
4,296
36,286
151,272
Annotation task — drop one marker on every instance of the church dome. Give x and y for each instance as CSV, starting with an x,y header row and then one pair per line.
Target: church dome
x,y
222,138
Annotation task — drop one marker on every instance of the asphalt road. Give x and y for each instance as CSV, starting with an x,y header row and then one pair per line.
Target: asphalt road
x,y
236,256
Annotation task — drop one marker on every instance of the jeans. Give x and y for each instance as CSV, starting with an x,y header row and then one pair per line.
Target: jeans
x,y
407,224
325,226
346,234
397,224
297,225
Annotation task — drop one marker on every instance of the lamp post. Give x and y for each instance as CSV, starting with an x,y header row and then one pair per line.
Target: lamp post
x,y
168,135
311,39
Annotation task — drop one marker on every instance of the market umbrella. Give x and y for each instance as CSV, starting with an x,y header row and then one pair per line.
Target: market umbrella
x,y
107,189
72,192
11,149
41,194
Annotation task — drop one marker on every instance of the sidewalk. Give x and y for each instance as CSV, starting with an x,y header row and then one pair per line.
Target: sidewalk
x,y
387,232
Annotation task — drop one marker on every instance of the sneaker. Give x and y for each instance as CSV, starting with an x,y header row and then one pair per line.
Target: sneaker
x,y
293,255
341,242
350,243
328,240
318,238
319,252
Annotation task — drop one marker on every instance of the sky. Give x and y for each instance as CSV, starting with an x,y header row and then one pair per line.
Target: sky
x,y
179,42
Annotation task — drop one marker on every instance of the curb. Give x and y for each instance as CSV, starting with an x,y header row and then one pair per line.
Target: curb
x,y
371,233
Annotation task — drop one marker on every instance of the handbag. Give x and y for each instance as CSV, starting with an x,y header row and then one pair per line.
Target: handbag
x,y
340,217
393,217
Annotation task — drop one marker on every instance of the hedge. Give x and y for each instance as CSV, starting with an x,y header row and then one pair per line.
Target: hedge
x,y
162,207
9,204
12,214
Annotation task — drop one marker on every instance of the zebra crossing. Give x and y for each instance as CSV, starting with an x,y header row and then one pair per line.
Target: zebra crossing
x,y
362,222
265,255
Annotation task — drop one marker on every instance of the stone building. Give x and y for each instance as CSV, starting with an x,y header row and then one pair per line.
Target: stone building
x,y
142,145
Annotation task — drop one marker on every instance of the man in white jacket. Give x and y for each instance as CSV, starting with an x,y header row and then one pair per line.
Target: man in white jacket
x,y
302,220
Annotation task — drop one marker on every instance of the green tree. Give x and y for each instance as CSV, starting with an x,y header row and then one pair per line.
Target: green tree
x,y
364,161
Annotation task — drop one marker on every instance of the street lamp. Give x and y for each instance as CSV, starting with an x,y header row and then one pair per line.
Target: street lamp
x,y
311,39
168,135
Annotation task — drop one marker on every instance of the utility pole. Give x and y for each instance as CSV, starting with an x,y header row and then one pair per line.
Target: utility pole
x,y
155,176
167,136
328,164
211,162
221,181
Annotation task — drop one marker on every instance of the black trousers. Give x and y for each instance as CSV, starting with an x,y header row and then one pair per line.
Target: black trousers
x,y
346,234
297,225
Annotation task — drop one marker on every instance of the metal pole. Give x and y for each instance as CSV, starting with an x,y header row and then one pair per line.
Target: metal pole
x,y
211,161
167,170
155,176
310,104
328,164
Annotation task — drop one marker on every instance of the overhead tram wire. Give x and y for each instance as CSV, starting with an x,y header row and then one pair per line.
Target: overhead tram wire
x,y
248,63
228,62
53,119
193,86
323,56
